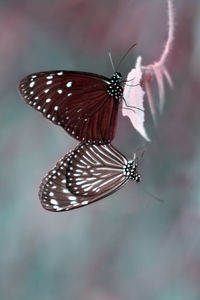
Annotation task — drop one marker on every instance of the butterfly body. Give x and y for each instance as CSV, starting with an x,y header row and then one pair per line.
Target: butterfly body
x,y
84,104
115,89
85,175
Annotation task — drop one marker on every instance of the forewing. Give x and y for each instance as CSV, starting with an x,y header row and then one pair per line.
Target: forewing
x,y
76,101
95,170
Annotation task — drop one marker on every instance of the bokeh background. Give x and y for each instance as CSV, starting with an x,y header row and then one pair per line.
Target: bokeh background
x,y
128,246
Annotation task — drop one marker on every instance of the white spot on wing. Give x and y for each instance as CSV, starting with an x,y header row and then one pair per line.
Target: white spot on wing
x,y
84,202
32,84
53,201
74,203
72,198
69,84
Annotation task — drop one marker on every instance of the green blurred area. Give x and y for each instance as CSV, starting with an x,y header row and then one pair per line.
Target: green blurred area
x,y
127,246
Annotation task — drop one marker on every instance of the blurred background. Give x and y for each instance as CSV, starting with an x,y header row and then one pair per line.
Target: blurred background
x,y
128,245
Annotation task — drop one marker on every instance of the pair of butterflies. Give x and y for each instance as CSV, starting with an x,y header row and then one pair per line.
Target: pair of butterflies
x,y
86,106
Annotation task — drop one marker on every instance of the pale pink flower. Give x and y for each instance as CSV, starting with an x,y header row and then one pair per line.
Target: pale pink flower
x,y
139,81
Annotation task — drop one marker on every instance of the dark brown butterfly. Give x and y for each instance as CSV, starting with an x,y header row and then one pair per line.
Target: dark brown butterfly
x,y
84,104
85,175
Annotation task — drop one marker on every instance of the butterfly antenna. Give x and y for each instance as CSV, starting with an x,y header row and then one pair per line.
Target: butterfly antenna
x,y
124,56
152,195
111,60
136,159
142,154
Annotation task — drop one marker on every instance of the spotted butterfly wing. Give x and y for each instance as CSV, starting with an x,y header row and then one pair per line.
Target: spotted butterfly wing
x,y
84,176
53,193
84,104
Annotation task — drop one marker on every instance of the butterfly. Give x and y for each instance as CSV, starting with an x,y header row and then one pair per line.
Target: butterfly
x,y
84,104
85,175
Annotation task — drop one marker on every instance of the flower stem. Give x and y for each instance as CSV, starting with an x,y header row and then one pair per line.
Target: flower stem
x,y
170,38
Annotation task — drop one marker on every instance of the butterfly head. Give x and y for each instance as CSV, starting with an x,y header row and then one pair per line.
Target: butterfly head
x,y
115,88
131,171
117,76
